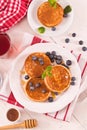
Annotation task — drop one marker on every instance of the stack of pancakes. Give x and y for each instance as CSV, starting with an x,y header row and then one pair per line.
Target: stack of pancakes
x,y
38,89
50,16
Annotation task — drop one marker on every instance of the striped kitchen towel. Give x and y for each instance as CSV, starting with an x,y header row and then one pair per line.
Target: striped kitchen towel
x,y
11,12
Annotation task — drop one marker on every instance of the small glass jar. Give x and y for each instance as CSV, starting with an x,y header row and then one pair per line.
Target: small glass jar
x,y
13,114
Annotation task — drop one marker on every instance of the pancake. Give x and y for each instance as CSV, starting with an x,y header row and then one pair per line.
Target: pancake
x,y
60,79
35,67
36,92
50,16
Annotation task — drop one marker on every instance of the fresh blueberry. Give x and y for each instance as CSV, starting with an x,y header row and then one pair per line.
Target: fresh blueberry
x,y
37,85
51,56
26,77
40,59
72,83
43,90
81,42
84,48
59,57
34,58
73,34
30,84
32,88
65,15
41,62
58,61
53,28
53,52
55,57
56,93
73,78
47,53
67,40
68,62
50,99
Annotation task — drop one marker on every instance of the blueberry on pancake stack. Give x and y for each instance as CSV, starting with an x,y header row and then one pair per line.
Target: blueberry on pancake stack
x,y
49,15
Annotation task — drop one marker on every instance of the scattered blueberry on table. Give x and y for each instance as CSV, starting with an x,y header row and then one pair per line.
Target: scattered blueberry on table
x,y
84,48
67,40
81,42
73,78
73,34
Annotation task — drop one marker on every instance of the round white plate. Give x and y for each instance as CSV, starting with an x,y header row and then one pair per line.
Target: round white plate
x,y
35,24
62,99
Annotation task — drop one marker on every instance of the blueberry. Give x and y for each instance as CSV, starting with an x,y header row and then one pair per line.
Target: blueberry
x,y
52,60
50,99
30,84
37,85
47,53
68,62
26,77
72,83
84,48
73,78
58,61
73,34
81,42
34,58
43,90
32,88
41,62
40,59
51,56
59,57
65,15
53,52
55,56
53,28
56,93
67,40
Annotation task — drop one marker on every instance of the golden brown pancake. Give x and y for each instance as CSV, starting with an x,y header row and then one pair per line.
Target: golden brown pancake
x,y
50,16
60,79
34,68
36,93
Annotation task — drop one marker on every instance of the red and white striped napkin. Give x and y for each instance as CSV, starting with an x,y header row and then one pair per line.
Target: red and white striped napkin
x,y
27,40
11,12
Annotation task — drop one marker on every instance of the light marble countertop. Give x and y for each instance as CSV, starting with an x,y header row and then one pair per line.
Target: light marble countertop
x,y
79,117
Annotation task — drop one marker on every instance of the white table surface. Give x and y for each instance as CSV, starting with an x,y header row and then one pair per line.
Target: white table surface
x,y
79,117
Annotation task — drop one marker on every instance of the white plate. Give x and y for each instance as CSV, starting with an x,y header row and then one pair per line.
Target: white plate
x,y
34,22
63,99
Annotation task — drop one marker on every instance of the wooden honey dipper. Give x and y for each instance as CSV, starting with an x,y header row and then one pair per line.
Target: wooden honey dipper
x,y
26,124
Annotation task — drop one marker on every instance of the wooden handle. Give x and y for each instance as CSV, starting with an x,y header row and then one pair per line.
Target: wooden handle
x,y
26,124
12,126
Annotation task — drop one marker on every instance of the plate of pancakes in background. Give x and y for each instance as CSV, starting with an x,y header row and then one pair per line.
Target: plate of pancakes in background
x,y
47,20
45,77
